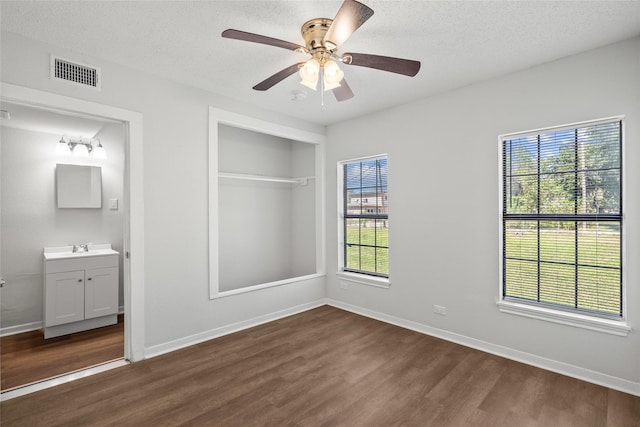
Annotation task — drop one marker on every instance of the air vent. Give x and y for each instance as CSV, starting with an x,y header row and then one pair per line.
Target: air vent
x,y
85,75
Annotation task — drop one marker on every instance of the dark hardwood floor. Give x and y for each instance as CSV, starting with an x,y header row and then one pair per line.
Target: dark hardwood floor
x,y
325,367
28,357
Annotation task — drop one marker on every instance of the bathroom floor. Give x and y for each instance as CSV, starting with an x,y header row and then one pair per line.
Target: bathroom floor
x,y
28,357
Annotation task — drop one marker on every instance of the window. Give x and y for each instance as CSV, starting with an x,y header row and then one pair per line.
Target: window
x,y
562,218
365,216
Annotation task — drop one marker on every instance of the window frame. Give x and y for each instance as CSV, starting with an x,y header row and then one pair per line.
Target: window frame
x,y
612,325
346,276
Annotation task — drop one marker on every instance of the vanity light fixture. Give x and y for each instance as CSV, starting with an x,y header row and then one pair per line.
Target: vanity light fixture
x,y
63,149
99,151
81,147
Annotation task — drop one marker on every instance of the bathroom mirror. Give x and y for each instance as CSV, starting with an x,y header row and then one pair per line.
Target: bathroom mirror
x,y
78,186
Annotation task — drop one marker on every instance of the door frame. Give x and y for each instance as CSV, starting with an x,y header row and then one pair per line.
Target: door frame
x,y
133,239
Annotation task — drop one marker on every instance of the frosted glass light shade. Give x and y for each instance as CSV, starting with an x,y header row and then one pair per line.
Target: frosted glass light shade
x,y
332,73
309,74
99,152
329,86
62,149
80,150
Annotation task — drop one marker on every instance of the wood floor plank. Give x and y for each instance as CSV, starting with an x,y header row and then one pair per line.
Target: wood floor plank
x,y
521,388
27,357
622,409
325,367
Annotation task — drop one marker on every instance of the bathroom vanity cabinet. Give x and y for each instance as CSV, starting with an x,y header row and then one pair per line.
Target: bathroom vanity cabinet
x,y
80,289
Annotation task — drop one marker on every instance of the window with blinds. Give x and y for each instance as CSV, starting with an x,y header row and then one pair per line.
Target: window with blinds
x,y
366,216
562,218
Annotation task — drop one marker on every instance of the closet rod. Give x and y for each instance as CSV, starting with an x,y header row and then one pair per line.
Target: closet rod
x,y
302,180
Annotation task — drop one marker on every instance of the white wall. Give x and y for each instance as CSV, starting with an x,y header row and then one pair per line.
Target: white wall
x,y
443,183
175,128
31,221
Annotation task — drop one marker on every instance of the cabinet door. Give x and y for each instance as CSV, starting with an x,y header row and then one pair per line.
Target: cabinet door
x,y
64,298
101,292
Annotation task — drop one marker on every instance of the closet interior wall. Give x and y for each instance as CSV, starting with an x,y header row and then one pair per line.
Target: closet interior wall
x,y
267,228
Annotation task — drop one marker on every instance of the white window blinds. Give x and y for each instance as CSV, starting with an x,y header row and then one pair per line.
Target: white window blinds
x,y
562,218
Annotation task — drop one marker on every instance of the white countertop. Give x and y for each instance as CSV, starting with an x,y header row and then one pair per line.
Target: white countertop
x,y
63,252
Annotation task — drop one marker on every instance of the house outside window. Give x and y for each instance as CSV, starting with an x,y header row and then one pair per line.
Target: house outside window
x,y
562,219
365,216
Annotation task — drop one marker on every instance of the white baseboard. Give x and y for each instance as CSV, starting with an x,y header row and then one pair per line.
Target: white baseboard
x,y
33,326
167,347
72,376
80,326
18,329
506,352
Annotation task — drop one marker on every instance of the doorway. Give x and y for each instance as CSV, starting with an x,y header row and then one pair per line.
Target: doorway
x,y
130,200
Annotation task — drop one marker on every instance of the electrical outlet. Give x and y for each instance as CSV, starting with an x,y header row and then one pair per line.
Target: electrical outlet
x,y
439,309
343,285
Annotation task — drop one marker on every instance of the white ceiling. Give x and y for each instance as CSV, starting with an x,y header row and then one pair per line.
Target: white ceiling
x,y
458,42
47,121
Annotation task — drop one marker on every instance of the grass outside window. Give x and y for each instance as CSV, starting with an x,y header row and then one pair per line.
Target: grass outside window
x,y
365,200
562,218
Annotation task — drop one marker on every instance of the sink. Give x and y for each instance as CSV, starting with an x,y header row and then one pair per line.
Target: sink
x,y
62,252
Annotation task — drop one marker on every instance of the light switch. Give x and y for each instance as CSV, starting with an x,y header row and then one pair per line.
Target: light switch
x,y
113,204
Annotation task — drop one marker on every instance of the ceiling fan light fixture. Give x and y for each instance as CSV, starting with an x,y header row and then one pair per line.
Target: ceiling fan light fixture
x,y
309,73
311,85
330,86
332,75
322,40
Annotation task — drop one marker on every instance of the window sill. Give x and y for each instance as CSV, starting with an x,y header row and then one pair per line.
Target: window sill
x,y
363,279
607,326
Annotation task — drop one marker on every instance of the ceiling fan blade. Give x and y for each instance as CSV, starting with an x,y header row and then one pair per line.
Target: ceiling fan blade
x,y
343,92
257,38
350,17
277,77
406,67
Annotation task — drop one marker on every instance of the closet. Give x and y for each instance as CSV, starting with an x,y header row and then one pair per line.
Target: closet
x,y
268,220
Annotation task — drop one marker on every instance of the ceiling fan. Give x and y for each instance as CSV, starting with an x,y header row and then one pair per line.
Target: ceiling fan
x,y
322,38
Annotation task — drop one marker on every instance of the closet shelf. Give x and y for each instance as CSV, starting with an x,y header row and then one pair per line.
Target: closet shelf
x,y
301,180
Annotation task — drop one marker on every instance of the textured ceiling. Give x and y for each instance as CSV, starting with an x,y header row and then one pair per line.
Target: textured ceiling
x,y
458,42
